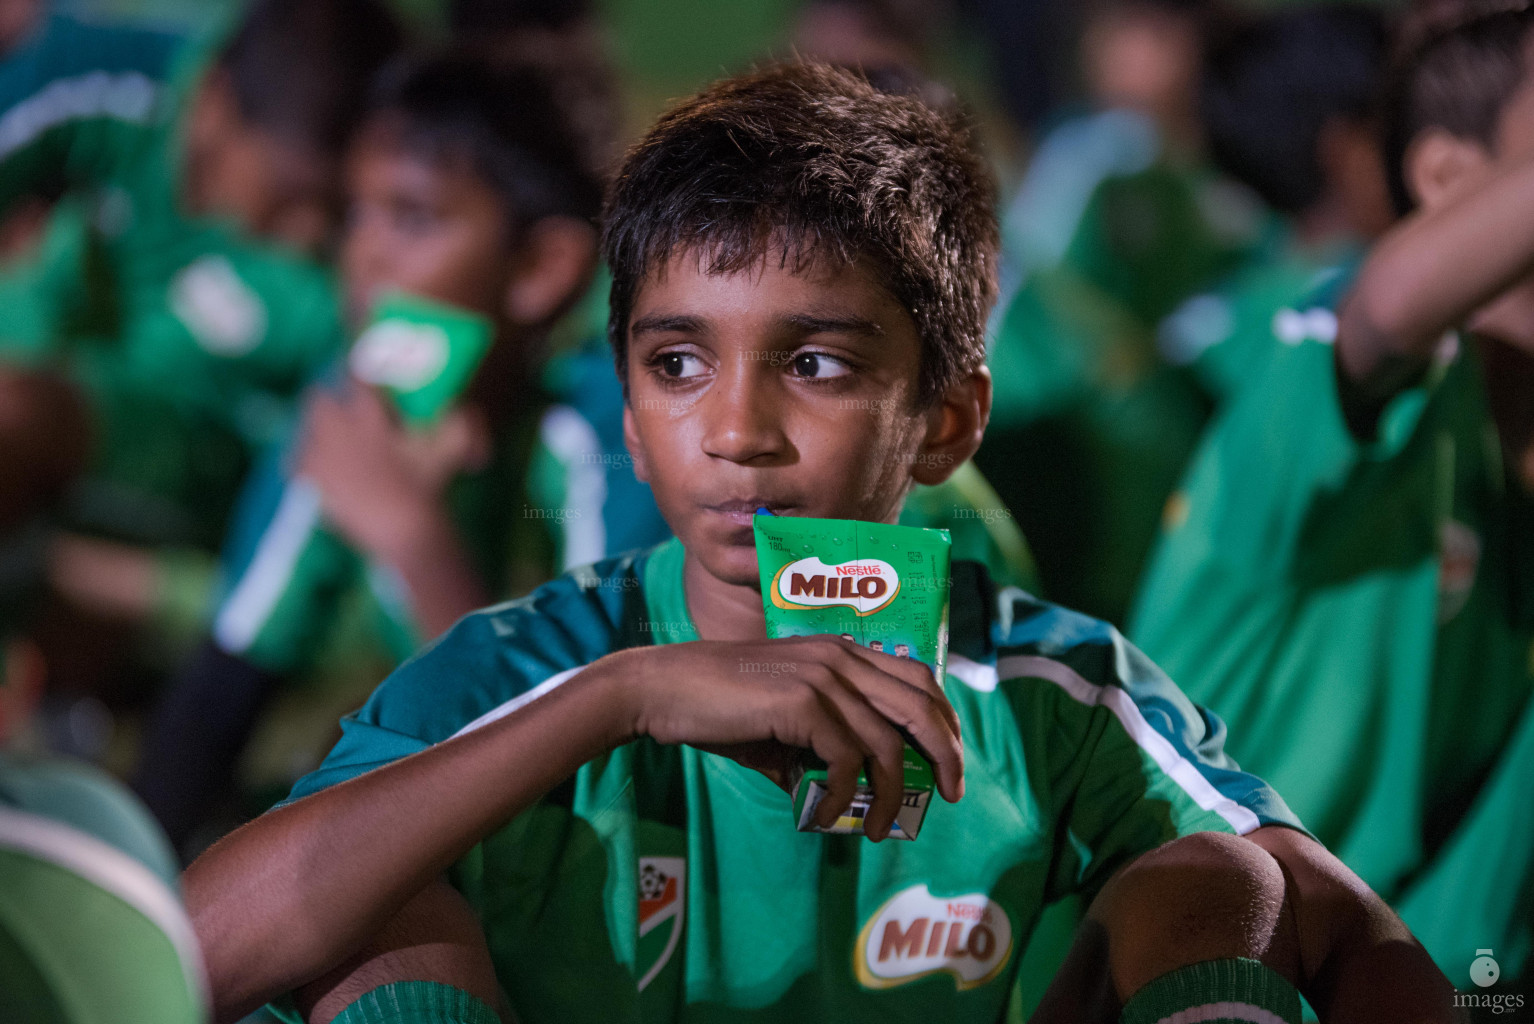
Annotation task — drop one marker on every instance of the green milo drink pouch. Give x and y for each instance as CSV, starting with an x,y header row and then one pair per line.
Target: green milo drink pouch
x,y
422,353
884,587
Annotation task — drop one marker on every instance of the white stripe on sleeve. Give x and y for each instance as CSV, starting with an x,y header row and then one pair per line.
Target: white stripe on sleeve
x,y
1117,700
260,588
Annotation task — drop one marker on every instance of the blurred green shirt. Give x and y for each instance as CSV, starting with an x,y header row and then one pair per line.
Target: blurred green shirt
x,y
1092,425
91,925
189,338
1362,615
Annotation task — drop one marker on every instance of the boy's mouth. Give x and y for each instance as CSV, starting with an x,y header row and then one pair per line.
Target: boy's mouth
x,y
740,512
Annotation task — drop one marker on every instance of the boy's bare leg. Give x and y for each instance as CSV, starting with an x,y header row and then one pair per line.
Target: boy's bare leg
x,y
1275,896
435,937
1206,896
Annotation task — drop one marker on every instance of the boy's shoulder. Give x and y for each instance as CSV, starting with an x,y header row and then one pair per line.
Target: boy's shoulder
x,y
498,658
1002,633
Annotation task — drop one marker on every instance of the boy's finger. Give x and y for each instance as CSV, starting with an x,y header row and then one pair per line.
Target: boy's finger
x,y
910,671
926,717
885,761
844,761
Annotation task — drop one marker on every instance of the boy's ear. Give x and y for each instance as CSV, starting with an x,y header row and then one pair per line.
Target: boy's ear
x,y
632,443
955,427
1440,165
552,265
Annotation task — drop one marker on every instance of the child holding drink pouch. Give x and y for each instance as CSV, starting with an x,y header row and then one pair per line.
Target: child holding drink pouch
x,y
570,807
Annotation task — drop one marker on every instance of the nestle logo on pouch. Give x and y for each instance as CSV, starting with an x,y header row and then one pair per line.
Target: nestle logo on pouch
x,y
865,585
916,934
399,354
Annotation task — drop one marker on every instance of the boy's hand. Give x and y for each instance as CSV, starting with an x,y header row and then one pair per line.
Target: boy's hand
x,y
762,702
378,481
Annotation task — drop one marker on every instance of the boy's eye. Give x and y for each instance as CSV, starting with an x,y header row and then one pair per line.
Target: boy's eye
x,y
680,364
819,365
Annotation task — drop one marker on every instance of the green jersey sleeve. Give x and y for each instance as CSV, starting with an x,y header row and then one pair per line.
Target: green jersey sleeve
x,y
1126,761
92,930
487,666
73,98
285,587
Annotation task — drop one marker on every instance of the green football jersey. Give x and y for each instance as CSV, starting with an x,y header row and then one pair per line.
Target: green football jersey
x,y
189,338
1361,615
665,883
1224,334
288,575
1092,426
91,927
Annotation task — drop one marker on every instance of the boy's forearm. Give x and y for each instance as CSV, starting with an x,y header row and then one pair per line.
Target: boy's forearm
x,y
1428,275
292,894
1358,961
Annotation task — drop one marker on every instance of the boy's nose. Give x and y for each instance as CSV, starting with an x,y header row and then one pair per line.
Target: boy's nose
x,y
743,419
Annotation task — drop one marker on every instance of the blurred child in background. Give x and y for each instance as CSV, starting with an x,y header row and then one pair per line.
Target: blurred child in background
x,y
1347,576
172,307
1289,108
469,187
1119,220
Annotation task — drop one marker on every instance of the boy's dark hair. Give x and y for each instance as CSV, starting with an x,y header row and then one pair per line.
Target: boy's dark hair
x,y
1272,85
803,162
301,69
504,120
1455,72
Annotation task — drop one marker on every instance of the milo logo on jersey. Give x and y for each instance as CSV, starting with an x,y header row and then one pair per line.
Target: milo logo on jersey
x,y
915,934
865,585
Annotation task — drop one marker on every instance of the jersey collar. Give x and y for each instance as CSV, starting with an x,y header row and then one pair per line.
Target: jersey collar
x,y
668,620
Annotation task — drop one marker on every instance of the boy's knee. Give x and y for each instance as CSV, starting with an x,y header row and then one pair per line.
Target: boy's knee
x,y
1206,896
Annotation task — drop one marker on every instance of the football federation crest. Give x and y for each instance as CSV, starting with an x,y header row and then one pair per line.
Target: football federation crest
x,y
1459,557
916,934
662,898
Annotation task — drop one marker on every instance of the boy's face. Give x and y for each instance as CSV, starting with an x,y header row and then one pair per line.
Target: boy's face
x,y
796,391
1445,168
432,229
270,187
17,18
1142,59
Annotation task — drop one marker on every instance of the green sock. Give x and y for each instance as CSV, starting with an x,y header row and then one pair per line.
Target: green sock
x,y
1216,992
406,1001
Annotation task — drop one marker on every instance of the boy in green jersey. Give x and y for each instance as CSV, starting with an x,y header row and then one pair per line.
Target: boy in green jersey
x,y
176,300
573,797
1120,219
1288,106
471,188
1346,576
